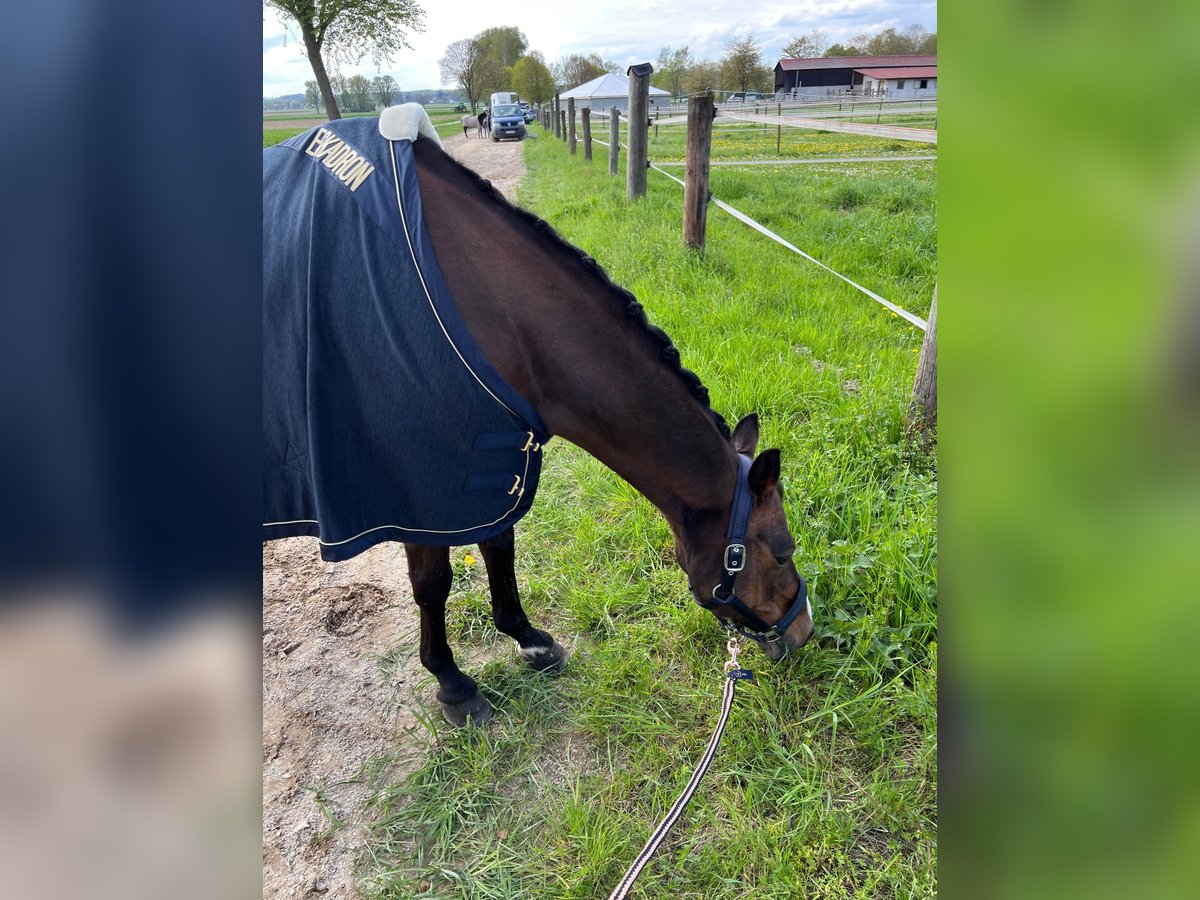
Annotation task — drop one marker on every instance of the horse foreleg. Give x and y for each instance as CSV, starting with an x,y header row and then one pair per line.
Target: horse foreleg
x,y
538,648
429,571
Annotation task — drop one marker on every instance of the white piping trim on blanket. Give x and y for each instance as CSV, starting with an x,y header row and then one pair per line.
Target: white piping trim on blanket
x,y
421,276
528,453
425,288
324,543
435,530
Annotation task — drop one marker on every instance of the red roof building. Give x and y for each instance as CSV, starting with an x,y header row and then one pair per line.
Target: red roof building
x,y
841,74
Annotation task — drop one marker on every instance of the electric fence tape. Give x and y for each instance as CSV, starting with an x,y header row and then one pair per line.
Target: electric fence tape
x,y
903,313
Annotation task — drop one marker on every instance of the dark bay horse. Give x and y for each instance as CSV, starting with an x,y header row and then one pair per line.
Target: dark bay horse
x,y
581,352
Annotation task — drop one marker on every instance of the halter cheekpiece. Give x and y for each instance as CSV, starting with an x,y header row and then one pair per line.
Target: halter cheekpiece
x,y
735,560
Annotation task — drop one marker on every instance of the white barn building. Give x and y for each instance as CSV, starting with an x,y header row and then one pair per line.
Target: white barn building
x,y
607,91
917,82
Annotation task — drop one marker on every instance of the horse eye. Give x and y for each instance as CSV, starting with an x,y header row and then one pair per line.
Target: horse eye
x,y
783,560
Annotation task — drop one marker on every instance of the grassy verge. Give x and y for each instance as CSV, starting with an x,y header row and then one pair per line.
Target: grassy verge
x,y
273,136
756,141
825,785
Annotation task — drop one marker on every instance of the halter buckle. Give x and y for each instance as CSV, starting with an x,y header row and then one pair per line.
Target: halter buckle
x,y
735,558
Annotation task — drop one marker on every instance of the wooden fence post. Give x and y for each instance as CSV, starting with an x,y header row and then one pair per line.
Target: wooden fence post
x,y
695,184
557,103
586,114
571,124
922,413
639,129
614,139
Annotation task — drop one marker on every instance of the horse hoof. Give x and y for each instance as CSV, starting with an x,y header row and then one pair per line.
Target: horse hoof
x,y
475,711
546,659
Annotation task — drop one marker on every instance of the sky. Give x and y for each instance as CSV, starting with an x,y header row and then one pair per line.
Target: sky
x,y
626,33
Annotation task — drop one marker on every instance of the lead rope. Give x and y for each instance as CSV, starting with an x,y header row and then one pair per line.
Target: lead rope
x,y
733,674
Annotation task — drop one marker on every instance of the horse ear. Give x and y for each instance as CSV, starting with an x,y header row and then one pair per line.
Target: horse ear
x,y
764,473
745,435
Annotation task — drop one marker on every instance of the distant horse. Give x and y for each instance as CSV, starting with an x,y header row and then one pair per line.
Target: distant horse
x,y
470,122
366,393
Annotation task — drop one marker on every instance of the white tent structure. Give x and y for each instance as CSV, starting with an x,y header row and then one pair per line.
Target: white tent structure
x,y
607,91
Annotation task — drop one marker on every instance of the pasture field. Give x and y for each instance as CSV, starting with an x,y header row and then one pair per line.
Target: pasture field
x,y
754,141
273,136
825,785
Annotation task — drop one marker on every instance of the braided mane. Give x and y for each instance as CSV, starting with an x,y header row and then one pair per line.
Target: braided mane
x,y
667,351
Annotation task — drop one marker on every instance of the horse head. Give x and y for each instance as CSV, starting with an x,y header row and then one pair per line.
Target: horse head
x,y
740,564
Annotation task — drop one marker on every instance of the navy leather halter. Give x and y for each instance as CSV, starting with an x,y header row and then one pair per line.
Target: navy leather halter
x,y
735,560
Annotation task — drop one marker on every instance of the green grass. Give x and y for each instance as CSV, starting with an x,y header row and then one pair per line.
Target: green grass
x,y
273,136
825,785
733,142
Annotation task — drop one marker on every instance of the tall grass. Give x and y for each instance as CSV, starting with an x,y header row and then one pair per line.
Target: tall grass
x,y
758,141
825,784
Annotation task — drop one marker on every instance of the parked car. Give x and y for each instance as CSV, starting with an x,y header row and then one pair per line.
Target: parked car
x,y
527,112
506,121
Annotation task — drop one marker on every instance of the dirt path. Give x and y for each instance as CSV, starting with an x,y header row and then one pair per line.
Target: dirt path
x,y
340,676
503,163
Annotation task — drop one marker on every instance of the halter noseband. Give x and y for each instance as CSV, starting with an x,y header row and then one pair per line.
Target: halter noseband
x,y
735,561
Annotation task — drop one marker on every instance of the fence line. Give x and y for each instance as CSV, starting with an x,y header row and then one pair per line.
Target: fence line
x,y
915,320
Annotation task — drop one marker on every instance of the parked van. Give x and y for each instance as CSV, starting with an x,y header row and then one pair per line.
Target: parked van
x,y
506,120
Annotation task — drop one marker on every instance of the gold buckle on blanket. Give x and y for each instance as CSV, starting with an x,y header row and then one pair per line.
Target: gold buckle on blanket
x,y
516,484
529,444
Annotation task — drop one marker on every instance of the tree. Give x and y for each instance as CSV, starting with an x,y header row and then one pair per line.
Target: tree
x,y
670,69
384,87
358,94
348,30
574,70
469,68
885,43
531,78
702,76
806,46
505,44
889,42
841,50
312,95
337,86
742,65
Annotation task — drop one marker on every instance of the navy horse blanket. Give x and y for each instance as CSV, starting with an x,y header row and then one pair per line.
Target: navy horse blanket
x,y
382,419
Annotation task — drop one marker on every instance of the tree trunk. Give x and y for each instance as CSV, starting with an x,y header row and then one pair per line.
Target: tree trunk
x,y
318,66
922,415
